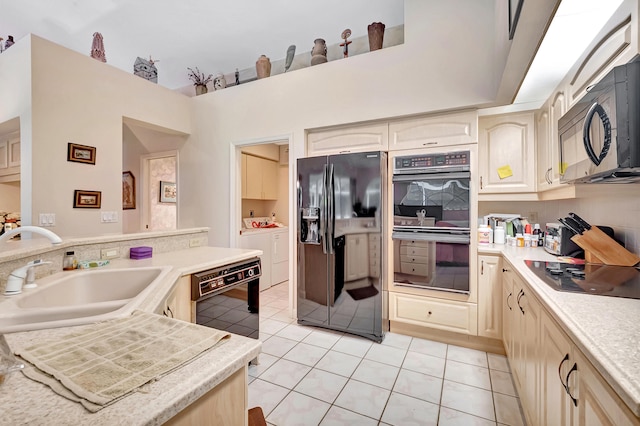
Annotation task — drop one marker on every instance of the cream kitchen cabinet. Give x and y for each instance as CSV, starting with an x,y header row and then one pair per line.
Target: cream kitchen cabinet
x,y
346,139
356,264
260,178
547,143
448,315
507,153
490,296
178,304
434,131
522,340
10,156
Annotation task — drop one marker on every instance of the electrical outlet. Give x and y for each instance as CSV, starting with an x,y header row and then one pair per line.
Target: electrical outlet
x,y
195,242
532,217
110,253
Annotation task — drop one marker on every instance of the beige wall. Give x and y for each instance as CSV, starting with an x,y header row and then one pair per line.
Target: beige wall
x,y
78,99
10,197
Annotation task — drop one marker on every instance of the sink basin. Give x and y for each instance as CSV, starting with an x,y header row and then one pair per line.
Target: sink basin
x,y
79,297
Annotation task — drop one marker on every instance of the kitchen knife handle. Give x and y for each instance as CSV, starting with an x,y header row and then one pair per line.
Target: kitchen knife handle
x,y
580,220
568,226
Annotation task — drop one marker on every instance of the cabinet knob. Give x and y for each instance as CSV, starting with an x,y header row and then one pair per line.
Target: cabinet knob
x,y
429,313
505,270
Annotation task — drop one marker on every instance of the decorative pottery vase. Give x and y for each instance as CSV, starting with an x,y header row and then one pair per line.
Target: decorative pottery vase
x,y
263,67
219,82
376,35
201,89
318,52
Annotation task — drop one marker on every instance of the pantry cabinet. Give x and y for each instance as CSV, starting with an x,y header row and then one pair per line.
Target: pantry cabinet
x,y
490,296
506,155
434,131
260,178
346,139
356,264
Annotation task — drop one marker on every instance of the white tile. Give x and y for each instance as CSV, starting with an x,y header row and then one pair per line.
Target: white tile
x,y
263,336
498,362
502,382
363,398
396,340
403,410
337,416
508,410
449,417
357,346
298,409
271,326
386,355
376,373
294,332
265,395
305,354
468,374
285,373
323,338
468,399
264,362
339,363
267,311
277,346
425,364
321,385
428,347
418,385
278,303
284,316
468,356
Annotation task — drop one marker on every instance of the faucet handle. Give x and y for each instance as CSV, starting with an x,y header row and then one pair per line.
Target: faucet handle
x,y
31,273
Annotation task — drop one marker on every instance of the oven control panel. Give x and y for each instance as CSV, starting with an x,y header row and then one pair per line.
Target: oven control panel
x,y
424,162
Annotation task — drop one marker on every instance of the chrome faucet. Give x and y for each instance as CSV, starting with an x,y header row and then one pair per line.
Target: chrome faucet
x,y
33,229
17,277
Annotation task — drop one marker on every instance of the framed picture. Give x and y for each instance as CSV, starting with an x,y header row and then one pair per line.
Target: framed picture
x,y
81,153
515,7
167,192
86,199
128,191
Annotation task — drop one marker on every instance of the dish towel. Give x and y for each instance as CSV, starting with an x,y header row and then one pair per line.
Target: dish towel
x,y
104,362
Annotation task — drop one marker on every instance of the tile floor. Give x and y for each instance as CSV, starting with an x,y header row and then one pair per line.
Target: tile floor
x,y
312,376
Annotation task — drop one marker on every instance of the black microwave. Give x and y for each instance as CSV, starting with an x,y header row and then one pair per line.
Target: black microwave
x,y
599,136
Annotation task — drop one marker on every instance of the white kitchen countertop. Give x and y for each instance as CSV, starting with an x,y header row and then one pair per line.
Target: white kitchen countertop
x,y
25,401
606,329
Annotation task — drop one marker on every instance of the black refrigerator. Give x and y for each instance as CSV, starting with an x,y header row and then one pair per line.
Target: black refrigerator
x,y
340,205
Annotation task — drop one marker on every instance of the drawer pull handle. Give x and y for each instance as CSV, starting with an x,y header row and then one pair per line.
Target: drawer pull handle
x,y
508,305
566,358
520,295
482,268
574,368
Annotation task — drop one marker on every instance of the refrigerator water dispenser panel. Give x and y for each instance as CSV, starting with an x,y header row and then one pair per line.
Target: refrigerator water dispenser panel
x,y
310,225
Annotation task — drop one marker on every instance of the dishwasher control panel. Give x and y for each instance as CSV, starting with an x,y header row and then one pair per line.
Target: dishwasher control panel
x,y
212,281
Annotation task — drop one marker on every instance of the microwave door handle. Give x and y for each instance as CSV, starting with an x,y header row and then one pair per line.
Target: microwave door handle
x,y
586,137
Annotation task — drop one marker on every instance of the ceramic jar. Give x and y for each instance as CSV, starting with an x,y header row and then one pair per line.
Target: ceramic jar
x,y
201,89
318,52
263,67
376,35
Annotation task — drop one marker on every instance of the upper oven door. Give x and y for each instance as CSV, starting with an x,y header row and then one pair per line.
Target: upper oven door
x,y
431,200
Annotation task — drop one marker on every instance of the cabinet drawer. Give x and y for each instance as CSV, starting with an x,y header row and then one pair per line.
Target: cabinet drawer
x,y
413,259
414,243
436,313
414,268
414,251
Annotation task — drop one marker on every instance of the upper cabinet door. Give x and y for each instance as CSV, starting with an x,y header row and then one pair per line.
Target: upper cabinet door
x,y
13,151
4,154
342,140
506,153
434,131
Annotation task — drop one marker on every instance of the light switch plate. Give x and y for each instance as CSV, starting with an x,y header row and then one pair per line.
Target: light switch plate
x,y
110,253
47,219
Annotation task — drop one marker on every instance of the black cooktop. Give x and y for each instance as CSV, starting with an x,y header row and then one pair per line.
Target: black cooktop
x,y
602,280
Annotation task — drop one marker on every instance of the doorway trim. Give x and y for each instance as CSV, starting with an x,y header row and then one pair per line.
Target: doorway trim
x,y
145,200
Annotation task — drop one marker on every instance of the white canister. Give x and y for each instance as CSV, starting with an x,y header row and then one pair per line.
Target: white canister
x,y
498,235
484,234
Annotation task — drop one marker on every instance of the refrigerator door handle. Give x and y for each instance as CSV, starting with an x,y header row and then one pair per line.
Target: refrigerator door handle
x,y
323,213
331,216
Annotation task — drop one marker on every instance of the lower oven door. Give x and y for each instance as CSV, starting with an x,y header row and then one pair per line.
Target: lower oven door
x,y
233,309
432,260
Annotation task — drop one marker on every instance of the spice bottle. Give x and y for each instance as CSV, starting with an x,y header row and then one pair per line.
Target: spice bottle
x,y
519,240
69,262
537,236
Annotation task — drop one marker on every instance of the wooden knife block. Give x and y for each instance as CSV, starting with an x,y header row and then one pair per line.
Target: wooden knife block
x,y
600,248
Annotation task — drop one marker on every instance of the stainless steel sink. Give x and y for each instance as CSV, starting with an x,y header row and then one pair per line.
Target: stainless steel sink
x,y
79,297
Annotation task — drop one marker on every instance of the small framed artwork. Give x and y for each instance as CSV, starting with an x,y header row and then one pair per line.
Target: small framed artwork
x,y
515,7
167,192
128,191
81,153
86,199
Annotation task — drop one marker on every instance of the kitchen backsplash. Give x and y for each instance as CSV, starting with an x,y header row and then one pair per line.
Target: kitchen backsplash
x,y
90,250
619,212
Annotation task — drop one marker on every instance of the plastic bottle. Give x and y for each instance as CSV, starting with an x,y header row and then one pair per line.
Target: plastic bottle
x,y
484,235
498,235
69,262
527,240
519,240
537,235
